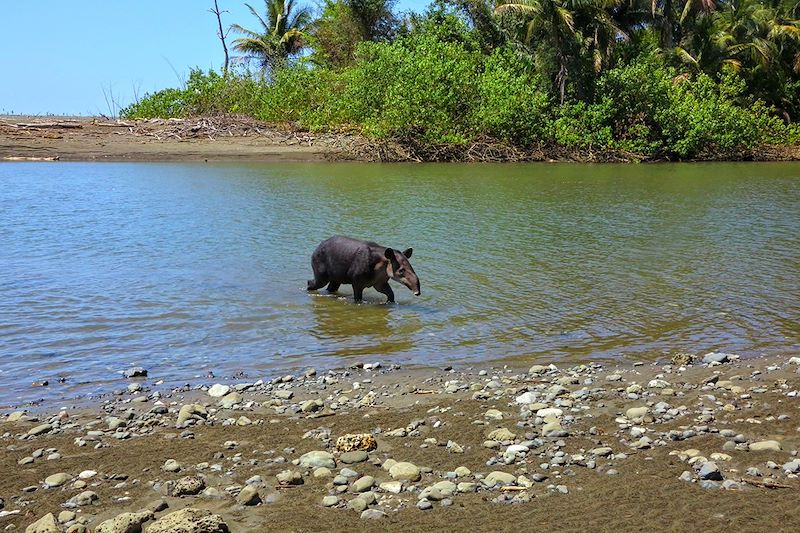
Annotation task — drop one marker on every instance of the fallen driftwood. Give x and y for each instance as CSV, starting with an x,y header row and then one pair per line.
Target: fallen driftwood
x,y
63,125
25,158
767,483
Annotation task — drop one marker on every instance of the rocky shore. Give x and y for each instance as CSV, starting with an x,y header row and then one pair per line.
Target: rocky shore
x,y
705,442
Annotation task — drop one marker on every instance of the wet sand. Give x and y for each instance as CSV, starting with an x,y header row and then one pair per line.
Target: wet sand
x,y
611,448
203,139
238,138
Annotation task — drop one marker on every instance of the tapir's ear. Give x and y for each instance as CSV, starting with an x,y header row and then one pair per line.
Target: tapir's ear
x,y
389,253
408,252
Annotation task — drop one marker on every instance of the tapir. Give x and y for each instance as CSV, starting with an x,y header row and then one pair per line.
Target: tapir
x,y
343,260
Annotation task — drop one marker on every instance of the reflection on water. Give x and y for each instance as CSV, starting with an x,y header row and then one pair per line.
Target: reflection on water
x,y
344,329
187,268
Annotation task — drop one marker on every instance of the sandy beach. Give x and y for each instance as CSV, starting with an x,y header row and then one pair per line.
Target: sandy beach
x,y
237,138
697,443
24,138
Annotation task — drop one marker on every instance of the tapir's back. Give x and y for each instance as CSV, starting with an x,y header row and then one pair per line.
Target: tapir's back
x,y
340,256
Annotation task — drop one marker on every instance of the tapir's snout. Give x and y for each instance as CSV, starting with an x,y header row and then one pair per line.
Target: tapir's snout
x,y
417,292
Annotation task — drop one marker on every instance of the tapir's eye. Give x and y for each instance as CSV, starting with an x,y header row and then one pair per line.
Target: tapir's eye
x,y
401,271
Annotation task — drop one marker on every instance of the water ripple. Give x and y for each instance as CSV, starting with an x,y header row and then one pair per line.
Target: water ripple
x,y
187,269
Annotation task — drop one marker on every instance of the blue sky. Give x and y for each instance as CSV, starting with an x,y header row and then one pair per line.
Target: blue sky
x,y
60,57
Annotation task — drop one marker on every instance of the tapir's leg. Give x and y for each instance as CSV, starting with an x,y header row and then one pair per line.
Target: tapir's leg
x,y
387,290
358,293
333,287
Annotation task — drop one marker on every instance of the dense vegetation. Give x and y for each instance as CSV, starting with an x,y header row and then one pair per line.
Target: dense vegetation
x,y
661,78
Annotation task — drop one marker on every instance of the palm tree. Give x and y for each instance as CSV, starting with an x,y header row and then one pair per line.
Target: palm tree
x,y
567,31
281,34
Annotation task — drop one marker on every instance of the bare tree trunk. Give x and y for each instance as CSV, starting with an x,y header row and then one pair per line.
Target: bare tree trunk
x,y
222,35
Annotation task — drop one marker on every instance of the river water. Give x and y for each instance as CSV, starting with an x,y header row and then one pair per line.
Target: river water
x,y
187,269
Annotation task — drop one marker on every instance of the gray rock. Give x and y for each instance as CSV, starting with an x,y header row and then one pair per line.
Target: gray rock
x,y
40,429
311,406
135,372
317,459
792,466
405,471
212,493
349,458
189,520
86,497
290,477
716,357
218,390
188,486
171,465
635,413
357,504
393,487
46,524
363,484
499,478
710,471
248,496
125,523
231,399
424,505
56,480
330,501
372,514
191,411
686,476
765,445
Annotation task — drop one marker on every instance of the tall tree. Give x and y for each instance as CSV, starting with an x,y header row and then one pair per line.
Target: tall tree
x,y
345,23
280,36
568,34
222,35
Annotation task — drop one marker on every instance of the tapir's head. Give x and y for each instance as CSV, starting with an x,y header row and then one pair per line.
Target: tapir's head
x,y
400,270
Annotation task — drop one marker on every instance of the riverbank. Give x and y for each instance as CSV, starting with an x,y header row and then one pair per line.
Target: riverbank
x,y
694,443
237,138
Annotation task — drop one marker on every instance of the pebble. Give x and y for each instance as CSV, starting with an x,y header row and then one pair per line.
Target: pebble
x,y
189,520
330,501
363,484
290,477
317,459
393,487
40,429
188,486
499,478
135,372
56,480
710,471
86,497
405,471
765,445
125,522
248,496
372,514
46,524
171,465
218,390
353,457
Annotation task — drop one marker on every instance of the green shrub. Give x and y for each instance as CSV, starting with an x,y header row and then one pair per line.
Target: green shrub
x,y
509,106
167,103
